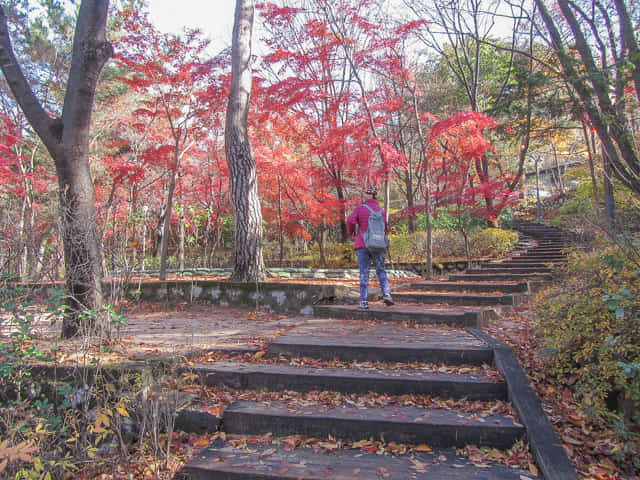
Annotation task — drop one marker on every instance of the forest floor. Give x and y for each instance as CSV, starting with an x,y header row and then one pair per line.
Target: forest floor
x,y
154,330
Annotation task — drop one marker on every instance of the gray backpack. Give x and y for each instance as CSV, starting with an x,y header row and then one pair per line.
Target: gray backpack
x,y
374,237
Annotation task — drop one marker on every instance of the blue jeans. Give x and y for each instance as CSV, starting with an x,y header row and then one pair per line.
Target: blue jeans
x,y
364,262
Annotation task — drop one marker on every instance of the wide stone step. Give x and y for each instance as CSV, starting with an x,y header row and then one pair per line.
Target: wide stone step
x,y
276,462
515,277
540,252
460,316
276,377
544,252
499,269
482,287
536,259
486,299
413,425
381,342
516,264
546,259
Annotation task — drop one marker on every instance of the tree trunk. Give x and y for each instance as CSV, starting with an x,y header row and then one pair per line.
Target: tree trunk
x,y
181,241
556,162
280,224
344,236
166,225
609,201
467,247
67,140
411,204
248,265
427,189
591,147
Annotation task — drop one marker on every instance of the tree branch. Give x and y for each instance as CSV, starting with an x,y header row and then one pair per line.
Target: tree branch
x,y
42,123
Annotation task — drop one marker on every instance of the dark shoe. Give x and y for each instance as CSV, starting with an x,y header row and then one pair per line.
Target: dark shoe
x,y
387,299
363,306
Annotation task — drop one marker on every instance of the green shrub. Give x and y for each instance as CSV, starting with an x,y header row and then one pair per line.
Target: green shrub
x,y
591,324
337,255
449,244
493,242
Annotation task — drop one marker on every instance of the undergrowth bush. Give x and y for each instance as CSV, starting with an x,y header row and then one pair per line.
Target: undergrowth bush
x,y
412,247
580,213
337,255
493,242
591,324
449,245
53,429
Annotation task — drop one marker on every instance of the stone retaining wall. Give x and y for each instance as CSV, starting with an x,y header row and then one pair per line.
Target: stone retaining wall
x,y
280,297
289,298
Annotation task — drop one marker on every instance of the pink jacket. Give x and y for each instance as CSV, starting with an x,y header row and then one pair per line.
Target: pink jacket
x,y
360,217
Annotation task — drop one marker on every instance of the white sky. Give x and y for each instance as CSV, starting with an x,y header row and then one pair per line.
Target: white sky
x,y
213,17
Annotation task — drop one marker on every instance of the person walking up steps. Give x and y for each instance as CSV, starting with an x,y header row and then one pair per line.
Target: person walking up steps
x,y
368,224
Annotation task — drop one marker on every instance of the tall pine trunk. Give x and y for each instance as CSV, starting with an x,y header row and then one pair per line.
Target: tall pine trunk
x,y
67,140
248,265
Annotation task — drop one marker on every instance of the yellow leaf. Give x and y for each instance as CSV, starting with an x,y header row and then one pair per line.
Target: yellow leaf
x,y
102,420
122,411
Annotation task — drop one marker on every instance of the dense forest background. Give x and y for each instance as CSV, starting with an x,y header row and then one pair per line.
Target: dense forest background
x,y
343,94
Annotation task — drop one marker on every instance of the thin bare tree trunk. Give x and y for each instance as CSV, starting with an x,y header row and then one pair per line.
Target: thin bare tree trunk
x,y
166,225
181,241
591,151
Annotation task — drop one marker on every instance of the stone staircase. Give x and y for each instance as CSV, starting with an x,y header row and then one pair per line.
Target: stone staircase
x,y
418,374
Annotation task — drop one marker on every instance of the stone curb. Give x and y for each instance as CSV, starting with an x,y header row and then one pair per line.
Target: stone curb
x,y
547,448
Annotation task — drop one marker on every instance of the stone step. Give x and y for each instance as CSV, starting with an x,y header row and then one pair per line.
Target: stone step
x,y
274,461
545,251
413,425
274,377
459,316
545,233
540,258
516,264
518,270
381,342
514,277
459,298
484,287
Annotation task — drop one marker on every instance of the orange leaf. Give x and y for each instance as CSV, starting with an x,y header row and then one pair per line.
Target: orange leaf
x,y
201,442
423,447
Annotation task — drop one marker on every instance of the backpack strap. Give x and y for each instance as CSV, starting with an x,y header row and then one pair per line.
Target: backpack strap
x,y
368,207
